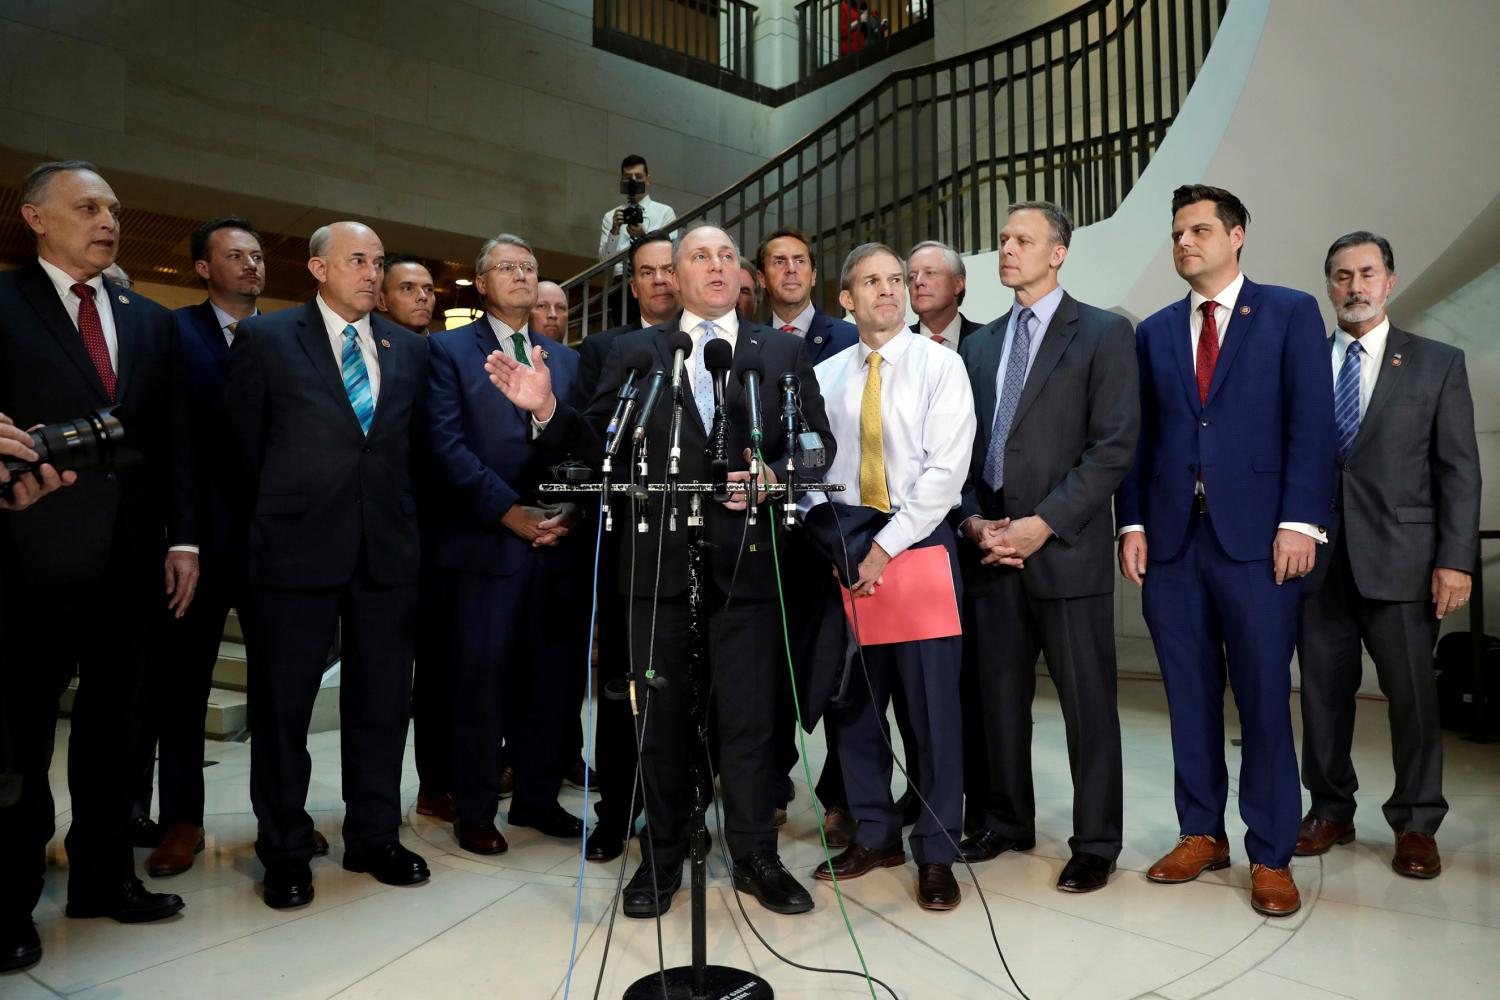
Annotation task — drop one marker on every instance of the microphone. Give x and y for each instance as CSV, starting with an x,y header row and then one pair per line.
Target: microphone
x,y
653,396
681,346
636,361
718,357
789,404
748,367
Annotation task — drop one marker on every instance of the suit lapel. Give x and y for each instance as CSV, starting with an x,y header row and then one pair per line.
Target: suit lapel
x,y
42,295
1182,351
1055,341
313,336
127,335
993,346
1246,314
1398,345
388,357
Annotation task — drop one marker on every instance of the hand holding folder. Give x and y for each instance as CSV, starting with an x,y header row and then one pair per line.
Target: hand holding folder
x,y
916,601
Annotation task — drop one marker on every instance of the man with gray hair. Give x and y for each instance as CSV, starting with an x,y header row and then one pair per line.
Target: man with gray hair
x,y
937,278
325,398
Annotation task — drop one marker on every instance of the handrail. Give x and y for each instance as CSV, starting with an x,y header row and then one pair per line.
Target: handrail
x,y
1060,111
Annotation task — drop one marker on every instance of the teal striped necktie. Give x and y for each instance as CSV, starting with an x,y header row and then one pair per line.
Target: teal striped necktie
x,y
357,379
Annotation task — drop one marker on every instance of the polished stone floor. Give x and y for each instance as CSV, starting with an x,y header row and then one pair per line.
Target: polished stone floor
x,y
503,927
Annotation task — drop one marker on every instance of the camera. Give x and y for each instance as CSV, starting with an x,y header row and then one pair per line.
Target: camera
x,y
90,442
632,188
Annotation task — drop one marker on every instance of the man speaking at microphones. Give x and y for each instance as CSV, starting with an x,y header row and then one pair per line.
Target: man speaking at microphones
x,y
743,627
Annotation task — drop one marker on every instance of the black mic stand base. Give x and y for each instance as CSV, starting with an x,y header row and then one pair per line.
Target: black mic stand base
x,y
719,983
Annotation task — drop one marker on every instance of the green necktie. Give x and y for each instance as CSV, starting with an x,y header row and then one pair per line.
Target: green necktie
x,y
518,344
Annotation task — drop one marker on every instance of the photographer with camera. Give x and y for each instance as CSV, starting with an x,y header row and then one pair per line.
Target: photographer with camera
x,y
638,216
84,571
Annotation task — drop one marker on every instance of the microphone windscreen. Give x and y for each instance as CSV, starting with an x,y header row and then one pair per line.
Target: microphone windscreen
x,y
680,341
638,360
718,356
747,360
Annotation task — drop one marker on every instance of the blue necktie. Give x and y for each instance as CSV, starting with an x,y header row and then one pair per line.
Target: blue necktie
x,y
357,379
1346,398
703,380
1010,395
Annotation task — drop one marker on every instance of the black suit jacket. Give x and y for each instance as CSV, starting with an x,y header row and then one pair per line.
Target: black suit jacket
x,y
582,433
1408,492
324,493
966,326
223,495
46,377
1071,442
591,356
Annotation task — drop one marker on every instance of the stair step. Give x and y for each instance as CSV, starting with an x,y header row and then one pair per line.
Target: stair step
x,y
232,630
231,670
228,715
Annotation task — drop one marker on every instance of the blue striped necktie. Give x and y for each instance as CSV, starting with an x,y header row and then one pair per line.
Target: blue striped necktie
x,y
1346,398
357,379
1010,396
703,379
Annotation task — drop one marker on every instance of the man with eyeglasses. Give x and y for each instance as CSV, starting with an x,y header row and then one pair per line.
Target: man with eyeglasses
x,y
743,621
510,567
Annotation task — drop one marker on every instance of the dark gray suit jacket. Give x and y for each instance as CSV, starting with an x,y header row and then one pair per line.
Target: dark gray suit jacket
x,y
1071,442
1408,492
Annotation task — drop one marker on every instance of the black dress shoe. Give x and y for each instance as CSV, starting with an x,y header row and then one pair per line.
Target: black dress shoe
x,y
288,884
987,844
578,772
643,898
603,846
554,822
858,860
320,844
937,889
126,901
1085,872
389,863
144,832
20,948
763,876
480,838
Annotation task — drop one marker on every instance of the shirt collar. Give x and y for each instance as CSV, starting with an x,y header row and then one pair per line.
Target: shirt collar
x,y
226,320
1043,308
950,332
335,323
802,321
1226,298
891,353
64,282
1372,343
728,324
504,331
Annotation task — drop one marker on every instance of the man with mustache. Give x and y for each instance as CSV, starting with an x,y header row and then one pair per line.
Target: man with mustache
x,y
1400,552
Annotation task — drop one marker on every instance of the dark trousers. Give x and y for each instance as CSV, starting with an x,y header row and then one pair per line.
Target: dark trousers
x,y
290,634
614,731
1077,637
100,629
432,685
1336,620
182,684
742,657
1208,612
830,787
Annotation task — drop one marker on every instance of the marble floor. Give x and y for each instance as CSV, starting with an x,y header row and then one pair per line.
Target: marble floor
x,y
504,927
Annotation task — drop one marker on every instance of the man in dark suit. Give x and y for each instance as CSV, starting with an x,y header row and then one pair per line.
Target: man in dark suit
x,y
406,293
937,278
789,275
325,399
506,560
743,624
654,287
227,256
1399,557
1231,488
1059,410
72,343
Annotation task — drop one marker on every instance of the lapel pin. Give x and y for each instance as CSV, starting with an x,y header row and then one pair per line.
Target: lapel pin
x,y
124,301
1395,361
545,355
384,342
818,339
1244,310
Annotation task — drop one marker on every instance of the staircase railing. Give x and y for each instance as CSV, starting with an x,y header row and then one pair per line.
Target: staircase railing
x,y
1070,111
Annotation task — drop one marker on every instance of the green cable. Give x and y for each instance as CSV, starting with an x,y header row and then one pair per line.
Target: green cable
x,y
786,639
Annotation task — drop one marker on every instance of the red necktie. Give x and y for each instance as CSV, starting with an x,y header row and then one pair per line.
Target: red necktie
x,y
937,337
1208,350
93,337
789,328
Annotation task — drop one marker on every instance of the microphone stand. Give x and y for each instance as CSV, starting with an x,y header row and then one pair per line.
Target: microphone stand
x,y
673,454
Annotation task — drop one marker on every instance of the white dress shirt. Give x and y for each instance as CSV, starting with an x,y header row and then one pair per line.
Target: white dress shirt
x,y
802,322
654,215
1373,346
927,424
948,335
1223,311
225,321
726,326
504,334
335,324
64,282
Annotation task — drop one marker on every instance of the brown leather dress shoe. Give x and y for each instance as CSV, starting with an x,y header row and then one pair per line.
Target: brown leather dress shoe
x,y
1194,854
320,844
1417,856
480,838
507,781
1272,891
937,889
859,860
1318,835
839,827
440,805
174,855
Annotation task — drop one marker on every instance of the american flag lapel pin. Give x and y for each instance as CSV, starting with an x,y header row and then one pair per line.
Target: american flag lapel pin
x,y
545,355
384,342
1395,361
123,300
1244,310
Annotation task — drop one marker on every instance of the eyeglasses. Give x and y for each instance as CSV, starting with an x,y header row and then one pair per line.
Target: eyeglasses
x,y
510,268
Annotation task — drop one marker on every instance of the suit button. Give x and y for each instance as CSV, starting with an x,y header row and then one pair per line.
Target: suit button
x,y
365,449
109,476
1205,423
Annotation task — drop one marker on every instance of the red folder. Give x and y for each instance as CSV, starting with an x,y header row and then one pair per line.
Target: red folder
x,y
916,601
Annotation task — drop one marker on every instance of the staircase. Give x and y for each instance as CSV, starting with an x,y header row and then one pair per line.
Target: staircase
x,y
1070,111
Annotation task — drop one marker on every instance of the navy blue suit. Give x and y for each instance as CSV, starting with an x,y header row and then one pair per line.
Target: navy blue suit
x,y
826,336
1264,446
516,636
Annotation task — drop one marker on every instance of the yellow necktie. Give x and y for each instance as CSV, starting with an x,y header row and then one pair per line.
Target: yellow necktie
x,y
872,491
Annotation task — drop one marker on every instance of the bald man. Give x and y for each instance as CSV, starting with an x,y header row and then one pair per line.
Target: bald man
x,y
324,397
549,316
